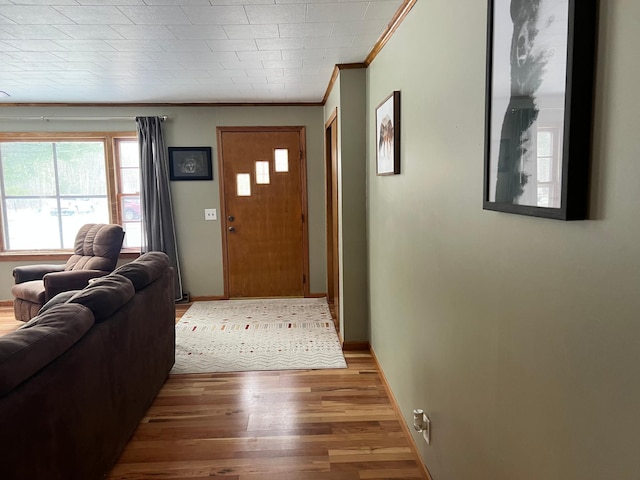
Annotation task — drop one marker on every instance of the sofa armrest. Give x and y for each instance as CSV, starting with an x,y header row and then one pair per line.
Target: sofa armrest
x,y
26,273
57,282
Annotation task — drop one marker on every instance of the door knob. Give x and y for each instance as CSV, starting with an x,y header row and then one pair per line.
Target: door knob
x,y
231,218
232,229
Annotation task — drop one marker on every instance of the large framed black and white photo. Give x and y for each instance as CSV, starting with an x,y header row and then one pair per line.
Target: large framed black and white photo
x,y
540,71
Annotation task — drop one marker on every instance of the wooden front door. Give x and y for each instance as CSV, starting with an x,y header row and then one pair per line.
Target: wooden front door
x,y
263,179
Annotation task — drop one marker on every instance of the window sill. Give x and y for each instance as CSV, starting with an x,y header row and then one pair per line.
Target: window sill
x,y
55,255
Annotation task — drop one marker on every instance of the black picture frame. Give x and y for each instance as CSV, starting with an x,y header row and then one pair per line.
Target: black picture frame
x,y
190,163
539,102
388,135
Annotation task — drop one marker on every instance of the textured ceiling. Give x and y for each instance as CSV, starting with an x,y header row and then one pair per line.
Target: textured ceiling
x,y
181,51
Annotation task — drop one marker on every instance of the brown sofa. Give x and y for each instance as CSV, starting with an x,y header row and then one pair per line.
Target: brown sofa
x,y
76,380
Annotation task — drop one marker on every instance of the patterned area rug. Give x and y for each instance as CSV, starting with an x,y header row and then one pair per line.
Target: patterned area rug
x,y
245,335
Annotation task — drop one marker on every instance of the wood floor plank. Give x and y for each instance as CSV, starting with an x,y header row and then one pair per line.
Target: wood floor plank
x,y
8,323
330,424
337,424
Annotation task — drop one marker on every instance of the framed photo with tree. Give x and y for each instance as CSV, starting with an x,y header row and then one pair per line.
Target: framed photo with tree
x,y
540,72
388,135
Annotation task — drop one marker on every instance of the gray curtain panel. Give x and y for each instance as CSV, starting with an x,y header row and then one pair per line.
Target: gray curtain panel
x,y
158,230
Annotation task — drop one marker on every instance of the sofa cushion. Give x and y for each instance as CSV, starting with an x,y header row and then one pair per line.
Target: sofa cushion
x,y
37,343
145,269
105,295
32,291
62,297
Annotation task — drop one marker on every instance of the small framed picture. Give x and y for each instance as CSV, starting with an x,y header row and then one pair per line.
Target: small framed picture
x,y
190,163
388,135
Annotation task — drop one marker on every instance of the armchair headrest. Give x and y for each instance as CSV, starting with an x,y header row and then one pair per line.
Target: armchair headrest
x,y
97,247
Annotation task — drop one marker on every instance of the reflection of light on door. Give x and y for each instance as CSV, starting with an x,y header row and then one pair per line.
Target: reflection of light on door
x,y
262,173
281,159
243,184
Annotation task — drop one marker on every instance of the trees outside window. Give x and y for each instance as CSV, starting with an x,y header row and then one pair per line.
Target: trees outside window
x,y
51,185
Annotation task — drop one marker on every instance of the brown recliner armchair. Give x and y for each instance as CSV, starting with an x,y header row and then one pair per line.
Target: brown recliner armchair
x,y
96,251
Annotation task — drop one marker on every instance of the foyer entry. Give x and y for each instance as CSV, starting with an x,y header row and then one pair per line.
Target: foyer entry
x,y
264,209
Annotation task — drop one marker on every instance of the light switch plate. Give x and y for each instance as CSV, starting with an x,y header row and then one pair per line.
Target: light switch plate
x,y
210,214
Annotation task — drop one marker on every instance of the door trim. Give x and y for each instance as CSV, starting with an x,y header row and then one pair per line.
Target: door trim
x,y
331,215
303,198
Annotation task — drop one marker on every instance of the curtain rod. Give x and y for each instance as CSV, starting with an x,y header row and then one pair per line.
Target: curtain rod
x,y
46,118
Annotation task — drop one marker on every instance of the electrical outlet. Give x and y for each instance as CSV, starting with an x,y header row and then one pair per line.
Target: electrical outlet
x,y
210,214
422,423
426,432
418,415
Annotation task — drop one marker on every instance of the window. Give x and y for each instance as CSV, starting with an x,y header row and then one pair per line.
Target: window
x,y
52,184
243,184
262,173
128,168
281,156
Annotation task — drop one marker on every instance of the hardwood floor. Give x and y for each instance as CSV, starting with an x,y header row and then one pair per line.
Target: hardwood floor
x,y
284,425
8,322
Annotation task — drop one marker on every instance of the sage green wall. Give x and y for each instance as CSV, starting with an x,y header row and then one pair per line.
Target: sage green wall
x,y
199,241
518,335
348,95
353,287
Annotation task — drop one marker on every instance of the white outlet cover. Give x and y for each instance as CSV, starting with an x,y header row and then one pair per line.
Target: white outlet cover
x,y
426,433
210,214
